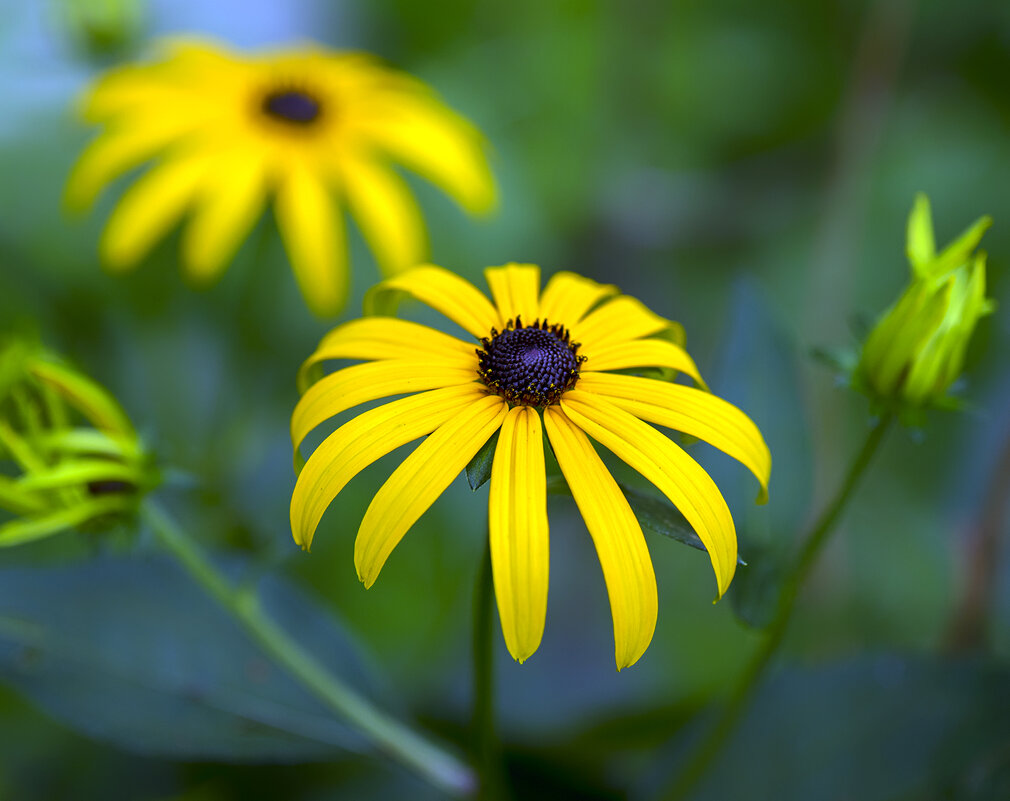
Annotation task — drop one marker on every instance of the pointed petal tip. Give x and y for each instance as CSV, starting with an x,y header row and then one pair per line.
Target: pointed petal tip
x,y
627,661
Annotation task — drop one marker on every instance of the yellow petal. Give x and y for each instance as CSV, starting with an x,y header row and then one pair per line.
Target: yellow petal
x,y
619,320
384,209
692,411
361,383
313,234
386,338
150,208
126,89
568,296
517,522
446,292
231,202
114,152
641,353
620,545
438,144
514,288
359,442
421,478
664,463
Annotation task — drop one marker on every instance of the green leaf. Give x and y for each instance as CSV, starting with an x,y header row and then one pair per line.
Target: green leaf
x,y
654,513
876,727
754,593
18,500
759,370
659,516
35,527
75,472
88,397
478,471
838,360
132,652
91,442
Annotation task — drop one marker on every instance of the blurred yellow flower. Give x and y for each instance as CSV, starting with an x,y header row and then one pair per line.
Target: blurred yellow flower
x,y
916,351
539,361
55,473
311,128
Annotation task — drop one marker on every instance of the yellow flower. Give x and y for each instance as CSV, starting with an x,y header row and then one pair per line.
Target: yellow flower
x,y
917,349
304,127
59,473
539,361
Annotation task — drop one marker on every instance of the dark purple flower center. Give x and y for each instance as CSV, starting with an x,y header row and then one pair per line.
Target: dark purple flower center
x,y
529,365
292,106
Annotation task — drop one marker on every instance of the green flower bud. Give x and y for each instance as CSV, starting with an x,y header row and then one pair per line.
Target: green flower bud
x,y
917,349
69,456
103,27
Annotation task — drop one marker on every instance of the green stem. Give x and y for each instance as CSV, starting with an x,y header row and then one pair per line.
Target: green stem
x,y
487,749
401,743
712,744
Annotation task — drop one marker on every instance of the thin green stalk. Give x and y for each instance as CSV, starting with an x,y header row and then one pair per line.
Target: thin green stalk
x,y
487,749
712,744
398,741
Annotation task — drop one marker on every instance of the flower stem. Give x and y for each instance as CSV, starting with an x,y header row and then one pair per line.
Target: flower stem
x,y
398,741
487,749
712,744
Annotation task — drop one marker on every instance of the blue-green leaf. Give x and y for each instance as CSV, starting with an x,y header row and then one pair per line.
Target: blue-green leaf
x,y
478,471
130,651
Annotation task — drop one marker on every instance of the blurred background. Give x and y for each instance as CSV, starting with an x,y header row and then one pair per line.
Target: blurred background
x,y
746,168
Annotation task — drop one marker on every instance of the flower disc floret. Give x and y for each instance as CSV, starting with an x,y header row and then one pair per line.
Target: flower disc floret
x,y
529,365
292,106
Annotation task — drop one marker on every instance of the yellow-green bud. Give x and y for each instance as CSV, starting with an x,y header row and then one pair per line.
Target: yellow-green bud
x,y
104,27
69,456
917,349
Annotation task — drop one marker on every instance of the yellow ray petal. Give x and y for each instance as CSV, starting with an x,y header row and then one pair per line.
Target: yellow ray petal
x,y
387,338
124,90
517,521
384,209
620,545
150,208
664,463
567,297
692,411
438,144
361,383
231,202
514,288
359,442
114,152
641,353
620,320
446,292
313,234
421,478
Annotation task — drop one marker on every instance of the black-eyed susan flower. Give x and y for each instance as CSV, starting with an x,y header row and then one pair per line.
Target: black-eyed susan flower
x,y
69,456
537,362
312,129
917,349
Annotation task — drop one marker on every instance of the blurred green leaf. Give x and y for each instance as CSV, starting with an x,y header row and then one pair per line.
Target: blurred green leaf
x,y
754,593
478,471
35,526
758,370
876,728
132,652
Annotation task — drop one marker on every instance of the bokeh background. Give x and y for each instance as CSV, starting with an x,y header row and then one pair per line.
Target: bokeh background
x,y
747,168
